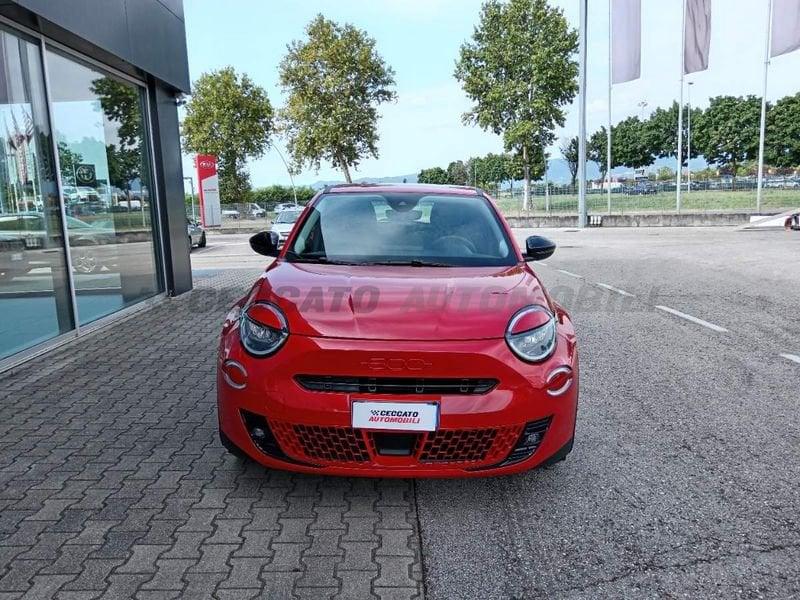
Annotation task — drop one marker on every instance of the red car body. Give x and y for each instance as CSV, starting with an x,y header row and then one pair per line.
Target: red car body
x,y
386,334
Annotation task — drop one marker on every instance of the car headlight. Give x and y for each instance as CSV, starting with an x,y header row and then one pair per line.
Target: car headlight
x,y
531,333
262,329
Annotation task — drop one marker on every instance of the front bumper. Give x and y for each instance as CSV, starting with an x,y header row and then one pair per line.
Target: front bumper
x,y
511,428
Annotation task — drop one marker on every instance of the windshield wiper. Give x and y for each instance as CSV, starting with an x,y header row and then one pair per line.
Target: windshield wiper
x,y
416,262
323,260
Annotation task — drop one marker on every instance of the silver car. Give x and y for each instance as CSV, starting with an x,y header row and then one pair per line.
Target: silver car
x,y
197,235
284,223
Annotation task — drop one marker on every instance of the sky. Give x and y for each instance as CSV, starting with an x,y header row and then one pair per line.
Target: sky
x,y
420,39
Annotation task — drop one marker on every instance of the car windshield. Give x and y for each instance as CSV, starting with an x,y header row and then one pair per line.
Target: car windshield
x,y
403,229
287,216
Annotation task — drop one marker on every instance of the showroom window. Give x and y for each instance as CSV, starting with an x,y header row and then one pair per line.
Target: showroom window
x,y
101,139
35,302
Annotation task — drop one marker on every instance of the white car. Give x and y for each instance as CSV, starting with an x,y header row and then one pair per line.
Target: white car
x,y
255,211
284,223
230,213
286,206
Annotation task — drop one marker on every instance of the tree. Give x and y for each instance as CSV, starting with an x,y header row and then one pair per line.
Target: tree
x,y
569,150
68,160
727,134
783,133
630,144
231,117
661,131
597,150
457,173
495,169
520,72
271,195
334,80
436,175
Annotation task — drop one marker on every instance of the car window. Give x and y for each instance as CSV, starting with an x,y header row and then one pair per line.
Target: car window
x,y
287,216
397,228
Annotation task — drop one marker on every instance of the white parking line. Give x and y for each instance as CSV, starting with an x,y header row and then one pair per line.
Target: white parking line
x,y
570,274
682,315
792,357
616,290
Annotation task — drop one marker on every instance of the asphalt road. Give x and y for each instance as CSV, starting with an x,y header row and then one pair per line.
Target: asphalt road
x,y
684,480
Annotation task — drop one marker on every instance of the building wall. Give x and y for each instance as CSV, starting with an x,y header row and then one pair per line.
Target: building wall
x,y
147,39
148,34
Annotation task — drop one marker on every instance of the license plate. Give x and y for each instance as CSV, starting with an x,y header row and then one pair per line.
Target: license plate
x,y
401,416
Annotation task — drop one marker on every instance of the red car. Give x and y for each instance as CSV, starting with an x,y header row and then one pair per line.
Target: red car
x,y
400,332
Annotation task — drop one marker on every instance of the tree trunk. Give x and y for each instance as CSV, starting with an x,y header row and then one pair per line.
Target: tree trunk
x,y
526,186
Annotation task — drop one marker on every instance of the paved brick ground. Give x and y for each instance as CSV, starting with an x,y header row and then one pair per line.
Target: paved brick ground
x,y
113,483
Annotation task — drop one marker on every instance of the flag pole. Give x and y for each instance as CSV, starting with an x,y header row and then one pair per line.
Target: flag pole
x,y
582,216
608,133
763,127
680,110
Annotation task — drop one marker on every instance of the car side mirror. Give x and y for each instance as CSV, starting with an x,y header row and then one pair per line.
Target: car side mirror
x,y
265,242
538,248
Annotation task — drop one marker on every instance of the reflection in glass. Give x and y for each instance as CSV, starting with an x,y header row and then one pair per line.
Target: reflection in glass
x,y
104,163
34,294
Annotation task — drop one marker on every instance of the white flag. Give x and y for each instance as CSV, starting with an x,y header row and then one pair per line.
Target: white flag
x,y
626,40
696,36
785,26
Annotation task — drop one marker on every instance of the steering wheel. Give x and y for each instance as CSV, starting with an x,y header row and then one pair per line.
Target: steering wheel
x,y
455,240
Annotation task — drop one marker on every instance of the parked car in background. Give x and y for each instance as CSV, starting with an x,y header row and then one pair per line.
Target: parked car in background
x,y
197,235
12,257
254,211
230,213
641,188
285,206
284,223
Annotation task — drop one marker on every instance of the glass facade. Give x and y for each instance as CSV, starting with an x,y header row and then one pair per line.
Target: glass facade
x,y
91,139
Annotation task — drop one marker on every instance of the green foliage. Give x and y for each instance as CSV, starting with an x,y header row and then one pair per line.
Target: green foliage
x,y
231,117
782,142
121,105
661,131
569,150
665,174
271,195
728,132
630,145
435,175
68,160
597,150
334,80
519,70
457,173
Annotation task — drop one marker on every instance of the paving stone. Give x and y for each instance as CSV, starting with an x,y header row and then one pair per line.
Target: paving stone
x,y
113,483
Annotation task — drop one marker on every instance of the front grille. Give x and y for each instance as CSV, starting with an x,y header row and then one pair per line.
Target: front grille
x,y
333,444
468,445
406,386
474,448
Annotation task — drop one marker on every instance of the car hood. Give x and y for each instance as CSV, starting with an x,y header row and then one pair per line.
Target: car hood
x,y
398,303
282,227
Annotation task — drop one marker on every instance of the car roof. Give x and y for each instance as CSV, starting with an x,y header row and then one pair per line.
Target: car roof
x,y
395,188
